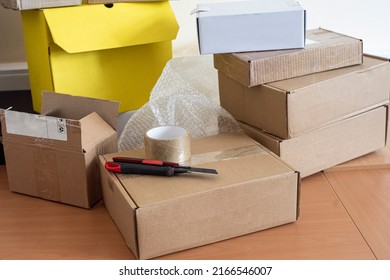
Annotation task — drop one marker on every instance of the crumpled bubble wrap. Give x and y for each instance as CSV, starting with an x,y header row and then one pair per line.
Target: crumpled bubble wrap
x,y
186,95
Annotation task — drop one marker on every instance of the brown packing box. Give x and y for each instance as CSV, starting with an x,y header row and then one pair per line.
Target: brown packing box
x,y
292,107
331,145
55,156
37,4
324,50
254,190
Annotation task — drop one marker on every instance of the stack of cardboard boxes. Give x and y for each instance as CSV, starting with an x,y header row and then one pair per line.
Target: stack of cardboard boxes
x,y
316,106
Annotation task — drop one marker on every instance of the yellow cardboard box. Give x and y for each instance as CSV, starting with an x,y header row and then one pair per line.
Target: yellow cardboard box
x,y
111,52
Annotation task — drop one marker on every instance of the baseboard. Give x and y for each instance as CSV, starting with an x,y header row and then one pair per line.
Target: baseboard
x,y
14,76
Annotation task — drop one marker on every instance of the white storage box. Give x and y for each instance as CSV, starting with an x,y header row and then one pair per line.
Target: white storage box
x,y
250,26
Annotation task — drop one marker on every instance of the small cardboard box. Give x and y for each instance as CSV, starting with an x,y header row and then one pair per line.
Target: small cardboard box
x,y
292,107
243,26
331,145
325,50
110,52
55,156
37,4
157,215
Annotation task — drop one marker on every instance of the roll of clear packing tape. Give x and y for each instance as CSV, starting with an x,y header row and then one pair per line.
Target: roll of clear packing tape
x,y
168,143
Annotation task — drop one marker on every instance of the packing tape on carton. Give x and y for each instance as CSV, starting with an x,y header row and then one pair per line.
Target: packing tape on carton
x,y
168,143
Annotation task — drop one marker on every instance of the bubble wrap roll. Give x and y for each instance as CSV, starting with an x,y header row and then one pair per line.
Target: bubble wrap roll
x,y
185,95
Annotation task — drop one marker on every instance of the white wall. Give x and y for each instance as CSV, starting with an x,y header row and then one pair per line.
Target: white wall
x,y
13,66
367,20
11,37
364,19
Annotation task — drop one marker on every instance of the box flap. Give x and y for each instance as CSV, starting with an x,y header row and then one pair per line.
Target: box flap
x,y
94,131
77,107
38,130
97,27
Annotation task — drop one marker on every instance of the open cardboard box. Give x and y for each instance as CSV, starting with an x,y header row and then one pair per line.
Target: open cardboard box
x,y
293,107
254,190
55,155
330,145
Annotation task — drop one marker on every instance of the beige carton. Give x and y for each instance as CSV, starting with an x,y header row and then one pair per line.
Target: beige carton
x,y
37,4
292,107
55,156
331,145
254,190
325,50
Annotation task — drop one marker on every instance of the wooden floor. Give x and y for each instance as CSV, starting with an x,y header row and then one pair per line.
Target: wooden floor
x,y
345,214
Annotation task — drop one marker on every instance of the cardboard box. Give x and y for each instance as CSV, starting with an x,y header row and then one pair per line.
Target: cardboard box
x,y
292,107
115,53
250,26
331,145
325,50
157,215
116,1
37,4
55,156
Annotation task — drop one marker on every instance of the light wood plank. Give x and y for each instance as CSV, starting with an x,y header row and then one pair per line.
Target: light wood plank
x,y
323,231
33,228
366,196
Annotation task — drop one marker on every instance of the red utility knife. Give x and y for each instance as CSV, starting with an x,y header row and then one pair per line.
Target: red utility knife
x,y
151,167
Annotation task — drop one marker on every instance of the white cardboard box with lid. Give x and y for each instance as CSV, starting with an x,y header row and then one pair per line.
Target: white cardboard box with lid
x,y
250,26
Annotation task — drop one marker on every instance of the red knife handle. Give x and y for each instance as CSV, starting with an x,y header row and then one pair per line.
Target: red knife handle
x,y
134,168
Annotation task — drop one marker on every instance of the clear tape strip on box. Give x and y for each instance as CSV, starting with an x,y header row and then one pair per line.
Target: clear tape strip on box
x,y
185,95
